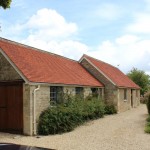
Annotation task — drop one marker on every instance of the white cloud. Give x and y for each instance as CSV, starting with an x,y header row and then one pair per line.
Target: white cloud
x,y
126,39
49,23
107,11
141,20
127,51
141,23
45,24
48,30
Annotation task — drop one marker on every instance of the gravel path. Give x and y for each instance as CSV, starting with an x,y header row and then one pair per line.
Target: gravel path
x,y
124,131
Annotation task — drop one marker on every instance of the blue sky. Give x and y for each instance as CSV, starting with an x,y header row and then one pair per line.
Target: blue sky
x,y
117,32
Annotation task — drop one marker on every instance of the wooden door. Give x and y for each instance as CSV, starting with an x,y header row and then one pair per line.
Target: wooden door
x,y
3,108
11,111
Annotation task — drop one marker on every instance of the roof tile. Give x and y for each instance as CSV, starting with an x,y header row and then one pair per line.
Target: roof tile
x,y
113,73
44,67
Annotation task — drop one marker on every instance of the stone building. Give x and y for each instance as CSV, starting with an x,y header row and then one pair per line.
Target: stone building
x,y
32,79
119,89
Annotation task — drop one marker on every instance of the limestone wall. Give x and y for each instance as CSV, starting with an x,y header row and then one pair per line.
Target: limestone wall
x,y
7,72
124,104
110,92
132,101
27,110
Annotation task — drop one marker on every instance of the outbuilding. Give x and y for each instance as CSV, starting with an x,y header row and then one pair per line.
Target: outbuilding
x,y
31,79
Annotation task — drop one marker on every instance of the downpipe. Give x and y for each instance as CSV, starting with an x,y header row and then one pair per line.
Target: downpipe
x,y
34,109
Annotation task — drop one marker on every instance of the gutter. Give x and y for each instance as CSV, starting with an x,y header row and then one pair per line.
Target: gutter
x,y
34,109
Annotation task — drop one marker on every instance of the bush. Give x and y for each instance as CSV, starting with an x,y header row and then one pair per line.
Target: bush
x,y
58,120
66,117
110,109
148,104
147,127
144,98
148,119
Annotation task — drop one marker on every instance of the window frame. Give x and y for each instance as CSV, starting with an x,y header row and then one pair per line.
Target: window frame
x,y
79,91
54,94
95,92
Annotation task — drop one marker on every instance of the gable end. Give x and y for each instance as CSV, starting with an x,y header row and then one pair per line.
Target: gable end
x,y
98,74
8,71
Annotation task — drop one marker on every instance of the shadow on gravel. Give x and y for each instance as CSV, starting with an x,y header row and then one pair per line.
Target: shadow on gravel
x,y
9,146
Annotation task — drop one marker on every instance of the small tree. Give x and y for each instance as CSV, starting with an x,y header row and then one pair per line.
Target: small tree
x,y
5,3
140,78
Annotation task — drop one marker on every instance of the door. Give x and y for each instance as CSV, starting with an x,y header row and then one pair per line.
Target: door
x,y
3,108
11,107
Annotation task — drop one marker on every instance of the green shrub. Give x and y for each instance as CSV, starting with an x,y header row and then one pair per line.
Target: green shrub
x,y
144,98
92,109
110,109
147,129
148,119
148,104
65,117
58,120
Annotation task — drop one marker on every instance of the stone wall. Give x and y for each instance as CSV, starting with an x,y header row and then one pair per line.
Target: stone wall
x,y
110,92
42,102
132,101
124,104
136,98
69,90
43,99
87,91
7,72
27,110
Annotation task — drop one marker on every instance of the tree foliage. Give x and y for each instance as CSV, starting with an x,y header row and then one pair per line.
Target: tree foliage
x,y
5,3
140,78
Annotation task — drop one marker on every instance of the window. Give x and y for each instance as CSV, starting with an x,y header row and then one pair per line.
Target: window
x,y
79,91
125,94
94,92
56,94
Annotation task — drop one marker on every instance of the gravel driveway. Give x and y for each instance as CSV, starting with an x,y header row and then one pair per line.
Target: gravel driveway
x,y
124,131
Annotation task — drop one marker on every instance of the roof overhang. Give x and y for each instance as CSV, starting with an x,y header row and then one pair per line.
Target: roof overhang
x,y
62,84
123,87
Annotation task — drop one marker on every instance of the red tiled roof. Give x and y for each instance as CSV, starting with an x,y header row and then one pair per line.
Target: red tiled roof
x,y
43,67
113,73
